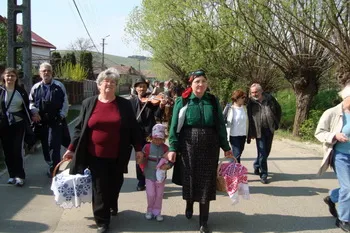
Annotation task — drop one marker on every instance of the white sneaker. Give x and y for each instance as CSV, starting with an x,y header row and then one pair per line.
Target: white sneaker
x,y
19,181
11,181
148,215
159,218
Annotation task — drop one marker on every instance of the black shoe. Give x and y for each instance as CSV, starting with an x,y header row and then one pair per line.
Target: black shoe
x,y
331,206
114,212
102,229
204,229
256,171
263,180
189,214
141,188
342,225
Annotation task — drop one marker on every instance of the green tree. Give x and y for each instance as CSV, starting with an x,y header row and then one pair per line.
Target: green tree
x,y
55,61
86,63
3,44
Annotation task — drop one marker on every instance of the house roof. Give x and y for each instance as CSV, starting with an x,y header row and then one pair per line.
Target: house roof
x,y
148,74
36,39
123,69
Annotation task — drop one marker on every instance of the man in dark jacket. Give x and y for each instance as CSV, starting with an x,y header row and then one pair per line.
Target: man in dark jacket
x,y
264,113
146,114
49,108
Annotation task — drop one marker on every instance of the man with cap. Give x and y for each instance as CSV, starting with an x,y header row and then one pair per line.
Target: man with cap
x,y
146,114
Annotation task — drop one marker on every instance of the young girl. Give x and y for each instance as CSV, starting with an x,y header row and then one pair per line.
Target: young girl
x,y
155,153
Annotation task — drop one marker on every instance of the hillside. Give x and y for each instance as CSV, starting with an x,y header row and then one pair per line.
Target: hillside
x,y
111,60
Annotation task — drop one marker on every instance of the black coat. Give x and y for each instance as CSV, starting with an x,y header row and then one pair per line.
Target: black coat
x,y
130,135
148,115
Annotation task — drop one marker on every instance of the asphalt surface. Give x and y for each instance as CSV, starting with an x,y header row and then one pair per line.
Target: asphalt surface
x,y
290,202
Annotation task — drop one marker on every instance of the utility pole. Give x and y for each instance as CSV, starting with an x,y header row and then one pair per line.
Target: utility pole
x,y
103,52
12,44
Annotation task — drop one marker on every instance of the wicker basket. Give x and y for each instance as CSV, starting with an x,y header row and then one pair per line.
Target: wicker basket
x,y
220,181
61,166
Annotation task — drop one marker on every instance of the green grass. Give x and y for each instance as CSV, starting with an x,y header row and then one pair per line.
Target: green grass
x,y
72,114
286,134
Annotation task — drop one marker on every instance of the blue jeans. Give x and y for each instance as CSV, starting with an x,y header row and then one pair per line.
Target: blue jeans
x,y
342,195
237,145
263,146
51,140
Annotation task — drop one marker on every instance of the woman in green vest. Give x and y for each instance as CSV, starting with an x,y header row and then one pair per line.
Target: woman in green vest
x,y
197,133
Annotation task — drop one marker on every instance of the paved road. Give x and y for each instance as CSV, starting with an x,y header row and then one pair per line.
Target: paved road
x,y
291,202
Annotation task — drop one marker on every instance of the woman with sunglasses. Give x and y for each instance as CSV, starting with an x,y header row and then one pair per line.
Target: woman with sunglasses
x,y
237,123
197,133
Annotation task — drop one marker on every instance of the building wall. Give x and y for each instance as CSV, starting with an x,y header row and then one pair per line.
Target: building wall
x,y
39,55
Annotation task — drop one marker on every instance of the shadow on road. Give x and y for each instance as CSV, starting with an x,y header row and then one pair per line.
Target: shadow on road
x,y
220,222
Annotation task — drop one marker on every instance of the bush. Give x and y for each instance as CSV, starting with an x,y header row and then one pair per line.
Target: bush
x,y
321,102
325,99
71,72
308,127
286,98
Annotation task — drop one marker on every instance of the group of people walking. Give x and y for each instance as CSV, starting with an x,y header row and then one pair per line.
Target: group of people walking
x,y
199,129
44,108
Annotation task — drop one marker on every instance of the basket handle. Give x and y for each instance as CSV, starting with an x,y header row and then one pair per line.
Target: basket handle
x,y
225,161
58,165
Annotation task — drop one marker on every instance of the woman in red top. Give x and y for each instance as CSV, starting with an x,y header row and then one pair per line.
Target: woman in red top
x,y
102,141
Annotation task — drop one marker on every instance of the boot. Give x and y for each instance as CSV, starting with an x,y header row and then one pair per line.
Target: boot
x,y
203,217
189,209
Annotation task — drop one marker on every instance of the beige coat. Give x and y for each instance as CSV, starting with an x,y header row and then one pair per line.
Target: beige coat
x,y
331,123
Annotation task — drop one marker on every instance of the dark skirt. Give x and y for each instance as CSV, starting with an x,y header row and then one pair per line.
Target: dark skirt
x,y
197,163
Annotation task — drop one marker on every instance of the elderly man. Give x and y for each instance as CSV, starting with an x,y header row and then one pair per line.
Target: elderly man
x,y
264,115
49,107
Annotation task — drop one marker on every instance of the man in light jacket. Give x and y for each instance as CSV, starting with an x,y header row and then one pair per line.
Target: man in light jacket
x,y
333,130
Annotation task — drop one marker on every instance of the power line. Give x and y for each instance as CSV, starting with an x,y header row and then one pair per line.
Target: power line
x,y
87,31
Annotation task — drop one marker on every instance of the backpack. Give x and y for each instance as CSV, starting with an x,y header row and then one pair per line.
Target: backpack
x,y
148,150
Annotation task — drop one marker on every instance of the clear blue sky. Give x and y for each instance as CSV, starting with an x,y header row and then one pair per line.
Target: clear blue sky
x,y
58,22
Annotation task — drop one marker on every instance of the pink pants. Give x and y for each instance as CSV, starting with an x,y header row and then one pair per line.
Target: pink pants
x,y
154,193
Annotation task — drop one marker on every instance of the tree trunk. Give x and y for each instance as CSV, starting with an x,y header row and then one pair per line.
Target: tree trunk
x,y
304,90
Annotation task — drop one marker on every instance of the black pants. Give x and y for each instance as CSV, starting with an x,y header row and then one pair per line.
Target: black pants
x,y
106,184
12,138
51,140
139,173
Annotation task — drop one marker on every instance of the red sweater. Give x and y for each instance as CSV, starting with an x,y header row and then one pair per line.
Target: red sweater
x,y
104,130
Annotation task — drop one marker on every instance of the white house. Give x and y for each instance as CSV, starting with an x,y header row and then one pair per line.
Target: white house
x,y
41,48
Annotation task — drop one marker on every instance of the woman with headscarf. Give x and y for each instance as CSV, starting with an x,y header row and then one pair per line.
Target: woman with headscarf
x,y
197,133
333,130
102,142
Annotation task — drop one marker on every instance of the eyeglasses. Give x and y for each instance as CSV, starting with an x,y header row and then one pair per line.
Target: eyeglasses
x,y
109,81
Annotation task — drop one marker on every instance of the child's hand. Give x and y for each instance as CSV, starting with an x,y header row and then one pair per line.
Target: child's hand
x,y
165,155
165,167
